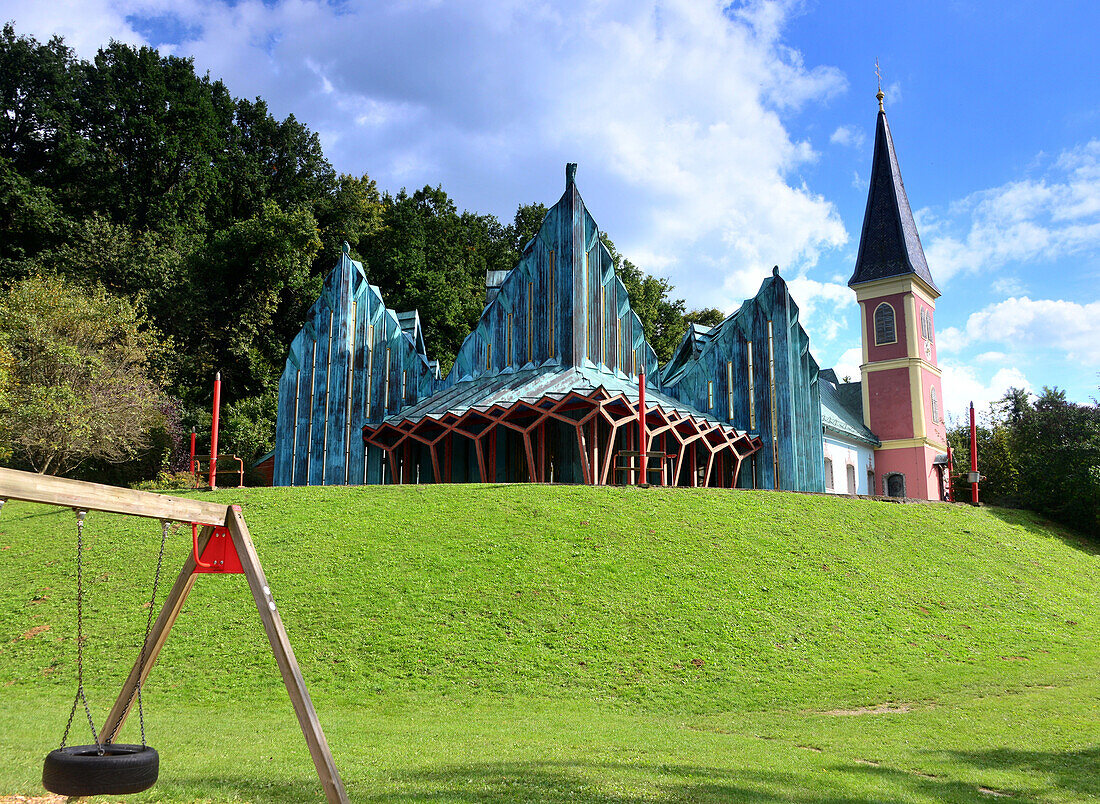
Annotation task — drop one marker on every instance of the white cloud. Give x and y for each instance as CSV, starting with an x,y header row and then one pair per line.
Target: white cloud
x,y
1024,323
962,385
824,307
848,136
674,110
86,26
847,365
1031,220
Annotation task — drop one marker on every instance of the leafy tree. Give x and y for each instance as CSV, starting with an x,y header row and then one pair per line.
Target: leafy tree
x,y
80,386
525,225
662,318
1042,455
1057,446
242,299
36,102
30,221
247,427
707,317
352,213
428,257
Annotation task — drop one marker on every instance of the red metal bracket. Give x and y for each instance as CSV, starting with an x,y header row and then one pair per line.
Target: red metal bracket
x,y
219,556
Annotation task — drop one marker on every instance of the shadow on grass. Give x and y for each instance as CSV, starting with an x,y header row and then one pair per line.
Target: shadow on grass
x,y
561,782
1041,526
1075,771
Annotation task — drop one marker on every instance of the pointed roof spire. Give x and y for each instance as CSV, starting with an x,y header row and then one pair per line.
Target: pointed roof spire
x,y
889,244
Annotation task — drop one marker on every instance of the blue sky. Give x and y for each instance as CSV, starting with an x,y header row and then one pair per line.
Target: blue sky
x,y
714,140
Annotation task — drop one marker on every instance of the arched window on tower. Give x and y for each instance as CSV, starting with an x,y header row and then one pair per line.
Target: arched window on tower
x,y
935,405
828,474
926,323
885,332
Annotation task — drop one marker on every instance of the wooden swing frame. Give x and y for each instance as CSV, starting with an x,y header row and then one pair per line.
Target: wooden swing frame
x,y
80,495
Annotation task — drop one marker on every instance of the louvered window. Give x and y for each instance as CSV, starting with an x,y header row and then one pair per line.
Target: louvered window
x,y
884,325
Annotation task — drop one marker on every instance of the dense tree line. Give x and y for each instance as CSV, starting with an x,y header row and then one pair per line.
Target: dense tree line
x,y
1042,454
131,180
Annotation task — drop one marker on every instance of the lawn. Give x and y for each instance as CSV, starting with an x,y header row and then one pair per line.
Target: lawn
x,y
517,643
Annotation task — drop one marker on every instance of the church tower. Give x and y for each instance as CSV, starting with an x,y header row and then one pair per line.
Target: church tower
x,y
902,395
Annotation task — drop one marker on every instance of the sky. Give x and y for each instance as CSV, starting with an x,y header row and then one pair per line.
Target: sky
x,y
714,140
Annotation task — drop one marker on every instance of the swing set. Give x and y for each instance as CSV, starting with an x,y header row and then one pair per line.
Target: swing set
x,y
221,544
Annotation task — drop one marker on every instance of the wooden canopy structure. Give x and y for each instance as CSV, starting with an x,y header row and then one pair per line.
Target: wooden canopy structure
x,y
216,520
557,420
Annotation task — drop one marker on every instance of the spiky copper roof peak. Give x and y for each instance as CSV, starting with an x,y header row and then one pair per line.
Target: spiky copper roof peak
x,y
889,244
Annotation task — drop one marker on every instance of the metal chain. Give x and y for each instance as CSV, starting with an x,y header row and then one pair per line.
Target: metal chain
x,y
164,525
80,696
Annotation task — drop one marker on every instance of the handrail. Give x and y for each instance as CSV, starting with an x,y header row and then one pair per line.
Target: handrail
x,y
195,547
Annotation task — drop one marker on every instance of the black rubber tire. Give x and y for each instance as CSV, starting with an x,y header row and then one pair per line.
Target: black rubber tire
x,y
79,770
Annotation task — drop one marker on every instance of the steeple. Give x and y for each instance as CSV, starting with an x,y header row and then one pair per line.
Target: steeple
x,y
889,244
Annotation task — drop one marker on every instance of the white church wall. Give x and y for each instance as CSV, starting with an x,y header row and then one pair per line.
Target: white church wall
x,y
841,454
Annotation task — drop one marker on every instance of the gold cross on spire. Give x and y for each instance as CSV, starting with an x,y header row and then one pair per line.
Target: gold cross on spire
x,y
880,96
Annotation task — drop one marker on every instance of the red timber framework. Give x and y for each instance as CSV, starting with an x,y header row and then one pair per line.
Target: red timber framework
x,y
596,426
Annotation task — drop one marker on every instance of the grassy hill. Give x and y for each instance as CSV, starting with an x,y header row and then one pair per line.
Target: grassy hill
x,y
485,643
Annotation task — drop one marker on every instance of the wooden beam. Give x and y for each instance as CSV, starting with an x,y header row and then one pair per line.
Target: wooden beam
x,y
532,473
586,472
480,460
158,634
288,665
31,487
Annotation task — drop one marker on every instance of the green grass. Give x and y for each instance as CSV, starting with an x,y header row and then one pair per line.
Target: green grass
x,y
514,643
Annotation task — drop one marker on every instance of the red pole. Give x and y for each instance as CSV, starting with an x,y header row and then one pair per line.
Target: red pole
x,y
973,457
214,427
641,428
950,474
192,450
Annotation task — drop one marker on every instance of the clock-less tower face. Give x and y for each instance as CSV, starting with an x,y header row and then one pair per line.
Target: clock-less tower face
x,y
901,382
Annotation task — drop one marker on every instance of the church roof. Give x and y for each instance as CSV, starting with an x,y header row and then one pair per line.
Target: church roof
x,y
889,244
842,410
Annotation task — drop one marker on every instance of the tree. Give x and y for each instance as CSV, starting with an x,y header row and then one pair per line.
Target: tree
x,y
1042,455
36,101
80,386
1057,445
707,317
242,299
428,257
662,318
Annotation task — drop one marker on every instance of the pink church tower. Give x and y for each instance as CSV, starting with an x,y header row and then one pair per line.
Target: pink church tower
x,y
902,394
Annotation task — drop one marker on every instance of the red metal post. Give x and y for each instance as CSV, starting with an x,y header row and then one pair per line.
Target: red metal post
x,y
214,428
973,457
950,474
641,428
192,451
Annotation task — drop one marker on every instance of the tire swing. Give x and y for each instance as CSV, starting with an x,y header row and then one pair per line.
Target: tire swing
x,y
102,768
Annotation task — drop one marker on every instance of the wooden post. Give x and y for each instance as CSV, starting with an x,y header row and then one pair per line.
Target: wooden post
x,y
480,460
586,473
284,656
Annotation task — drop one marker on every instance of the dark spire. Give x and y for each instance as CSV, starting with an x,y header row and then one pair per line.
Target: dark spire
x,y
889,244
